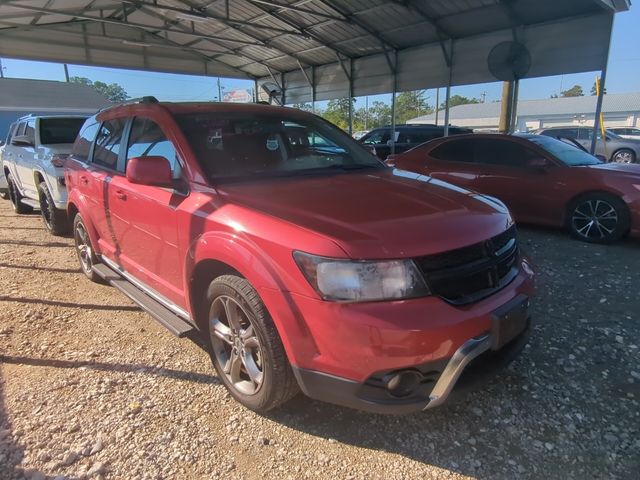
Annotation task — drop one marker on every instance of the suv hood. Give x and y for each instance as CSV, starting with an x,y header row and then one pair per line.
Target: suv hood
x,y
377,213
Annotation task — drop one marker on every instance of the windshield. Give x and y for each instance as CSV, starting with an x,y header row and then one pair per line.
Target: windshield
x,y
249,145
59,130
563,151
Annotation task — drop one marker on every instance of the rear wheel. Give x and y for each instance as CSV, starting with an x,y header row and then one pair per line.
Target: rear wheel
x,y
624,155
16,197
245,347
84,250
54,219
598,218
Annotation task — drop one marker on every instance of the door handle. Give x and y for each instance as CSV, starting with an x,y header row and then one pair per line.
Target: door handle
x,y
84,180
121,195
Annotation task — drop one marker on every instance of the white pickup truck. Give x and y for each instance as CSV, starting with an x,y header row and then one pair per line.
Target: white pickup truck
x,y
32,161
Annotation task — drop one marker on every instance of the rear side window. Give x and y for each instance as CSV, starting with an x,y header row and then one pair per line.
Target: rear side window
x,y
30,130
107,149
455,151
501,152
87,135
147,139
59,130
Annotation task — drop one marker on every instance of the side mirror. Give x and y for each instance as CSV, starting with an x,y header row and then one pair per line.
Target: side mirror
x,y
540,163
151,170
22,141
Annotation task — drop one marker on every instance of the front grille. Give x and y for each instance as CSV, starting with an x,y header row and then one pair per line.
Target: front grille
x,y
472,273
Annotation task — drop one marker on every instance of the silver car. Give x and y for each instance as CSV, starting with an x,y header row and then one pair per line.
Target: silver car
x,y
614,148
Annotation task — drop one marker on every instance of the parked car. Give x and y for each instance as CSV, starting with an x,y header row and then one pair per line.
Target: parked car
x,y
303,260
614,148
626,132
541,179
4,188
406,137
32,162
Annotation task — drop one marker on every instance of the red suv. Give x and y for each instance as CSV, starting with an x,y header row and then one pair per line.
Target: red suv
x,y
303,260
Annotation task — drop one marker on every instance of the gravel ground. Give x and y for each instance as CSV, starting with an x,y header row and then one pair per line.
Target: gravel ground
x,y
91,387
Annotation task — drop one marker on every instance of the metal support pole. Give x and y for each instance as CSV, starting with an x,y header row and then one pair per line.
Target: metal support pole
x,y
313,89
514,106
448,94
393,104
256,96
603,77
350,96
505,107
283,98
437,103
219,91
66,72
1,69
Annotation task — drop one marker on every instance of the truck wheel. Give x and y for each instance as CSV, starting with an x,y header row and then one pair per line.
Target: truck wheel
x,y
598,218
84,250
245,347
54,219
624,155
16,197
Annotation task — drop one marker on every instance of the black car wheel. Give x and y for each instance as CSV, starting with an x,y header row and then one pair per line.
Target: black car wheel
x,y
598,218
16,197
245,347
84,249
54,219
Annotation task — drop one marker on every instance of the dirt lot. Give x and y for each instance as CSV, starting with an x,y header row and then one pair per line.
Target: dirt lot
x,y
90,386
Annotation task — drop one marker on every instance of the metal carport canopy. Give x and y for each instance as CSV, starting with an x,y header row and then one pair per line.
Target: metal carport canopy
x,y
338,47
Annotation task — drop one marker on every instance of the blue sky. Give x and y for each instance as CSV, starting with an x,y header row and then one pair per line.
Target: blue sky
x,y
623,75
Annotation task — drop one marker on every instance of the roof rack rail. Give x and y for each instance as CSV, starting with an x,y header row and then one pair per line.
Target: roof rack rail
x,y
131,101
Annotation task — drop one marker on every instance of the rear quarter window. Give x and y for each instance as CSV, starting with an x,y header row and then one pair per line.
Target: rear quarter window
x,y
455,151
82,145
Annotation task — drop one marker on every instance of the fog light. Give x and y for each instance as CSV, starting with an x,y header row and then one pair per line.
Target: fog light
x,y
403,384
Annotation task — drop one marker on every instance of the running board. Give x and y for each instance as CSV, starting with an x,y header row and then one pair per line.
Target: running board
x,y
30,203
159,312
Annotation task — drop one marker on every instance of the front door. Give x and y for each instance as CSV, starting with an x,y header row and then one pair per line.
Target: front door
x,y
145,217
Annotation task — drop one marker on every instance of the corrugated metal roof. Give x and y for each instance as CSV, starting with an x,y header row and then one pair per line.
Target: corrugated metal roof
x,y
276,37
21,94
611,103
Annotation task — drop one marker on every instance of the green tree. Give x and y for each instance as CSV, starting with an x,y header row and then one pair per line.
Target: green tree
x,y
575,91
411,105
377,115
337,112
458,100
593,89
111,91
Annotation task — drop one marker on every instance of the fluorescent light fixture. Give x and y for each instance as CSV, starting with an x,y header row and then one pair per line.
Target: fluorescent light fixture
x,y
191,17
135,43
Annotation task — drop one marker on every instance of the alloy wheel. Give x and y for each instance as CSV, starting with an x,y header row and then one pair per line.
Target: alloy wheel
x,y
595,219
83,246
623,157
235,345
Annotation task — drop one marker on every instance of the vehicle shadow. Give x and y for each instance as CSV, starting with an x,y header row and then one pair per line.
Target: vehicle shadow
x,y
24,243
42,269
83,306
138,368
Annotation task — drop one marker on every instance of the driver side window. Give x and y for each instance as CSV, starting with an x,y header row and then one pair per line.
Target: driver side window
x,y
147,139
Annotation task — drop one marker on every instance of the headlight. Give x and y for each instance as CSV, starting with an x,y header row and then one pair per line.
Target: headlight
x,y
351,280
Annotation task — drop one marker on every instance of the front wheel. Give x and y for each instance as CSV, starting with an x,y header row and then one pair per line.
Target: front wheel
x,y
54,219
598,218
245,347
624,155
84,249
16,197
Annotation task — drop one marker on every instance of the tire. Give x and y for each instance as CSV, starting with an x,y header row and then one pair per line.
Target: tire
x,y
624,155
259,375
86,256
53,218
598,218
16,197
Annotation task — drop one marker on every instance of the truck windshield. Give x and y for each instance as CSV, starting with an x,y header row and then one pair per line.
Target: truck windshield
x,y
59,130
245,146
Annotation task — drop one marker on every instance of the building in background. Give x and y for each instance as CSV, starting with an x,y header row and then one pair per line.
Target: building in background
x,y
20,97
619,110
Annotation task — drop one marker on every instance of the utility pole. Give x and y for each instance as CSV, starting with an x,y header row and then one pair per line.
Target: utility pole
x,y
219,91
484,96
1,69
366,112
506,107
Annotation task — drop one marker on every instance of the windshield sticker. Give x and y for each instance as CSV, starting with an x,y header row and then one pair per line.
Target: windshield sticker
x,y
272,143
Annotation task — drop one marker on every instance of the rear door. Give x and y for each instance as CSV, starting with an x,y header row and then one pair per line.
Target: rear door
x,y
145,217
453,162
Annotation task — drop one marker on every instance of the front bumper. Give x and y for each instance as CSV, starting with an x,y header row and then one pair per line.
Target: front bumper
x,y
473,364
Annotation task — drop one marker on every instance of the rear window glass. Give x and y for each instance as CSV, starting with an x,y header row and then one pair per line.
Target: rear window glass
x,y
82,146
59,130
455,151
107,147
